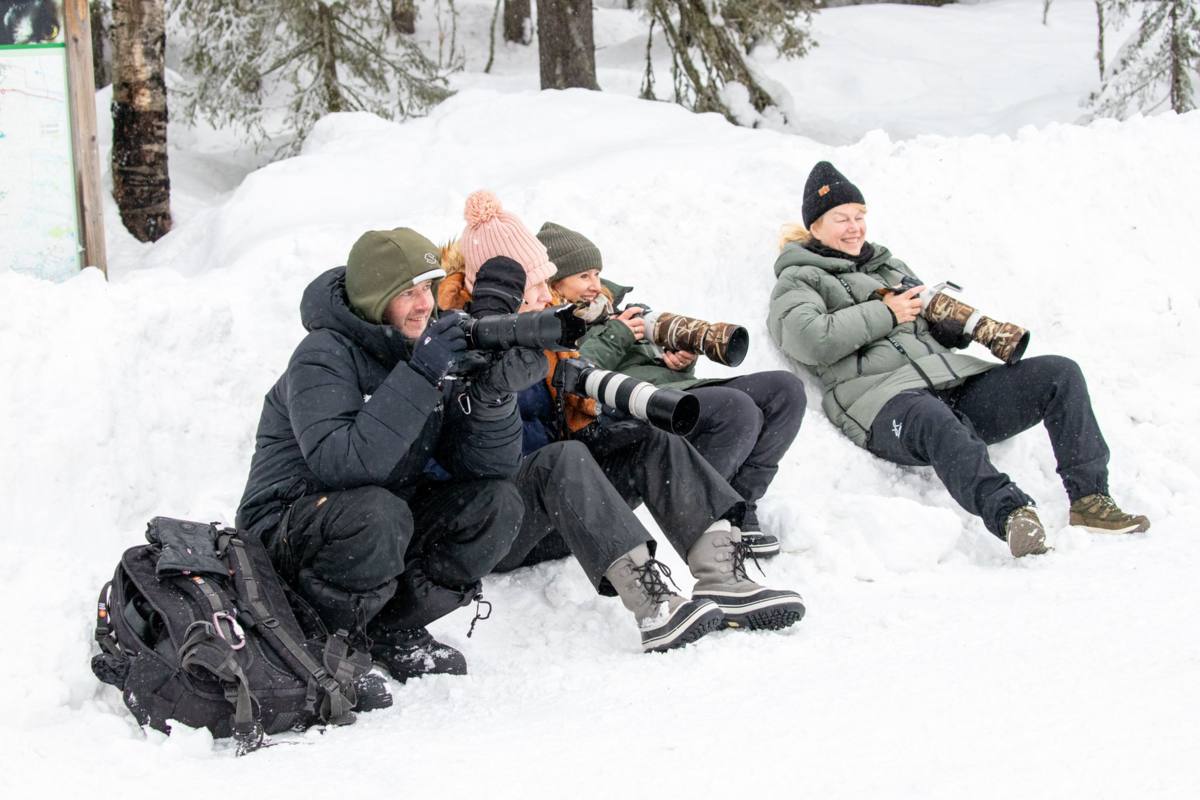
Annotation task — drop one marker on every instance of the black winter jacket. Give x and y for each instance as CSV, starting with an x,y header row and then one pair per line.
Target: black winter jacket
x,y
349,412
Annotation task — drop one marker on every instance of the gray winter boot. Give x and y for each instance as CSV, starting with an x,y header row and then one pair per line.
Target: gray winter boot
x,y
665,619
1024,532
718,561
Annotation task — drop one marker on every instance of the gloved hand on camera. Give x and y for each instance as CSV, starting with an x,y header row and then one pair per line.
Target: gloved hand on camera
x,y
949,333
499,289
439,348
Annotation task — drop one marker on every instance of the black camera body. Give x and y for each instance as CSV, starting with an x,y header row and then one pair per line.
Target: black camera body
x,y
557,329
669,409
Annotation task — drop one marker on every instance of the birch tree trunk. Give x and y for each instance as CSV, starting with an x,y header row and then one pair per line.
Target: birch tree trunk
x,y
141,185
566,49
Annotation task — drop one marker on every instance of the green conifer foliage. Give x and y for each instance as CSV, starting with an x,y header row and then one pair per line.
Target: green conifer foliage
x,y
305,58
1159,65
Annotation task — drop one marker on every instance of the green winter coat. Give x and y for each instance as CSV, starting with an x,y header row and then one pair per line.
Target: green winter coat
x,y
825,314
611,345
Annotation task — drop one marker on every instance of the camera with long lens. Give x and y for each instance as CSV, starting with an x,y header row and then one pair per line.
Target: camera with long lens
x,y
1006,340
722,342
669,409
555,328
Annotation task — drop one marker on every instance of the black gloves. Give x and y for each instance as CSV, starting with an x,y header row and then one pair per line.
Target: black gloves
x,y
499,288
437,350
949,333
511,371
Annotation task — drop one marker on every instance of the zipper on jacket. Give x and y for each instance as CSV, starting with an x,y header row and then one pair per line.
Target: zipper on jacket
x,y
849,416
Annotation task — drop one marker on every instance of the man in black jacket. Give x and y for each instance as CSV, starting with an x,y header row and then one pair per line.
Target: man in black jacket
x,y
379,482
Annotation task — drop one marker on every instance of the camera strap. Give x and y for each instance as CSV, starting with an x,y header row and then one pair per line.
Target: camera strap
x,y
900,349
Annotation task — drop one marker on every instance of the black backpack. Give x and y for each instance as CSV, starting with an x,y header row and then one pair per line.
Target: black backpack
x,y
197,627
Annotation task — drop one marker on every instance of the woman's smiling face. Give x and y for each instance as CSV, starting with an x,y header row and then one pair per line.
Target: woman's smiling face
x,y
843,228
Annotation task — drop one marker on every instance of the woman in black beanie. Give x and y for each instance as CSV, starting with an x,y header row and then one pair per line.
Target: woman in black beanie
x,y
851,313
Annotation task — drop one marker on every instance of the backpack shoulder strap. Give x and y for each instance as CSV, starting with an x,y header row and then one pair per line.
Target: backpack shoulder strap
x,y
335,677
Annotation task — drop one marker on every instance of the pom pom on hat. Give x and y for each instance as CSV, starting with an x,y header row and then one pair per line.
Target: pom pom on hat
x,y
482,206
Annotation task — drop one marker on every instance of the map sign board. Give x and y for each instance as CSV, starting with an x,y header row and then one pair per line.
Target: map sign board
x,y
39,217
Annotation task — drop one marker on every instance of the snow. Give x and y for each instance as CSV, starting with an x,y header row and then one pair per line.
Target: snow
x,y
930,664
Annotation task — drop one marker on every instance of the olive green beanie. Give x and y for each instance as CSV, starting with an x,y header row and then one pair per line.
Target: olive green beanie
x,y
382,264
571,252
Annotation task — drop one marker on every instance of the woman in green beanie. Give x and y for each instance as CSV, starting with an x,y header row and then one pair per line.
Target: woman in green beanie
x,y
746,423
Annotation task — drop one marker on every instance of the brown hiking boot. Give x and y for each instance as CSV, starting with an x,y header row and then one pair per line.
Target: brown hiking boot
x,y
1024,532
1099,513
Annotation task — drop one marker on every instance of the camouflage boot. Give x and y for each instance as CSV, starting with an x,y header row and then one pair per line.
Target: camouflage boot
x,y
1024,532
1099,513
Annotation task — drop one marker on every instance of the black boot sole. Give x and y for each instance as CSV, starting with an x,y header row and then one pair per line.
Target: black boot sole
x,y
769,610
773,619
709,619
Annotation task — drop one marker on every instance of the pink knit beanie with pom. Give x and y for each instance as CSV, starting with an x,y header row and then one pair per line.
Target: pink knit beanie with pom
x,y
491,231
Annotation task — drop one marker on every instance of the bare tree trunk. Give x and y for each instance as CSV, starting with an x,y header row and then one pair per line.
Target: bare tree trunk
x,y
328,60
404,16
141,184
1100,36
566,50
101,47
1181,83
516,21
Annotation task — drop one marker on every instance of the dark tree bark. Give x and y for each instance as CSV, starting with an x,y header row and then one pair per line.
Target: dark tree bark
x,y
330,84
101,47
516,21
404,16
566,50
141,185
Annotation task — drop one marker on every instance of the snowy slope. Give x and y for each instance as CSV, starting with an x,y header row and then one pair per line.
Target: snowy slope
x,y
930,665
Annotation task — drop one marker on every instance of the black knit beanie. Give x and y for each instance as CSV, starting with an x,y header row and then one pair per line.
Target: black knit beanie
x,y
827,188
571,252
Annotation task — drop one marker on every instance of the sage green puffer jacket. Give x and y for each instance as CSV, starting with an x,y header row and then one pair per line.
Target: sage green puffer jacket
x,y
611,345
825,314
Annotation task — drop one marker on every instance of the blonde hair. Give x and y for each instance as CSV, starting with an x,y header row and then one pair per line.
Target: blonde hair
x,y
796,232
793,232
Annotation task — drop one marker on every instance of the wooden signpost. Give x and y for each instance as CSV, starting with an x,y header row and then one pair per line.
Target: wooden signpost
x,y
51,214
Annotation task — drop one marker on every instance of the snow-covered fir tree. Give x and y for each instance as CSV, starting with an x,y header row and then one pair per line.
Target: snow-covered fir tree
x,y
1160,63
305,57
709,42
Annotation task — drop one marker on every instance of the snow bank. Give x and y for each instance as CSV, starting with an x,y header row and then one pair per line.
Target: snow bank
x,y
931,664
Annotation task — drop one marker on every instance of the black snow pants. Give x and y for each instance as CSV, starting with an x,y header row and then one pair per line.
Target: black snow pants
x,y
367,553
951,429
746,425
580,504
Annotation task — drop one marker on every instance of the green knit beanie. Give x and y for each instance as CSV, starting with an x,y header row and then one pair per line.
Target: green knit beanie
x,y
571,252
382,264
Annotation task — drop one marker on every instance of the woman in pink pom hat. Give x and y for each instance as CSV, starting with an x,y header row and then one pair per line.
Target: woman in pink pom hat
x,y
491,231
580,480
